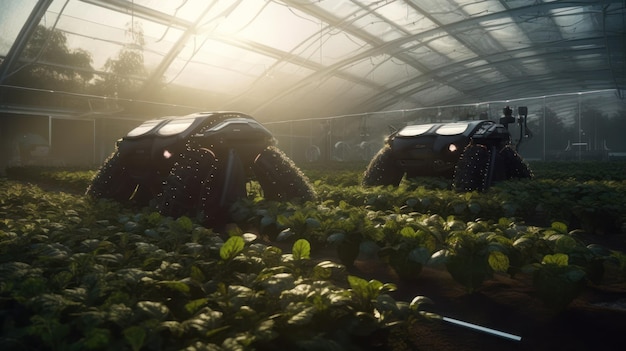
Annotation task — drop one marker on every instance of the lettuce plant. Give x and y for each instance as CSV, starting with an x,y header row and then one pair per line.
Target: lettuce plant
x,y
556,281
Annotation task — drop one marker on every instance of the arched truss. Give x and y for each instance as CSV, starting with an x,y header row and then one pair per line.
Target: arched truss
x,y
330,57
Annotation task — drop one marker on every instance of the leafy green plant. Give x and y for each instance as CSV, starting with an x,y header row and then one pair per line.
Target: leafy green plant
x,y
556,281
351,227
82,274
409,246
473,255
302,224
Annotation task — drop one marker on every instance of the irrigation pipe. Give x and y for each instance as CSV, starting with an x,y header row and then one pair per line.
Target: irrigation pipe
x,y
483,329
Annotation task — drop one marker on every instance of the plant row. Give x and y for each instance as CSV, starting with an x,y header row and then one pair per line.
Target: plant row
x,y
532,227
77,274
561,261
585,195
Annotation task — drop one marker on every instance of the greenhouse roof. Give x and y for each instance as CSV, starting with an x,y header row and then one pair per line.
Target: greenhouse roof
x,y
280,59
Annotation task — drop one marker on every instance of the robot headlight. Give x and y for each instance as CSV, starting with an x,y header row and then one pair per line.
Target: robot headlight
x,y
452,128
175,126
414,130
452,148
144,128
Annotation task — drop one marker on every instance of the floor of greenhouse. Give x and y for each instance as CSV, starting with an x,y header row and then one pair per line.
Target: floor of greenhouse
x,y
593,321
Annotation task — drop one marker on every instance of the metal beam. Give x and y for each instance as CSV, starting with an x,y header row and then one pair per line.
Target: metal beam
x,y
132,9
496,59
395,47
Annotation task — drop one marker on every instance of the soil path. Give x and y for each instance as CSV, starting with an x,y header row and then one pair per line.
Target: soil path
x,y
596,320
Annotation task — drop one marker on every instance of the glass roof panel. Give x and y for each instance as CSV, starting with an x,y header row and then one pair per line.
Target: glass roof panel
x,y
13,13
382,69
259,23
478,8
451,48
203,75
572,21
437,92
208,63
404,15
331,47
187,9
377,27
505,33
104,33
277,79
533,66
284,52
444,11
336,95
342,9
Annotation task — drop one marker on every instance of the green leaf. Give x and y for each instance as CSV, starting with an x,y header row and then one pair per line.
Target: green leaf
x,y
336,238
153,309
204,322
249,237
267,220
175,285
281,219
412,202
312,222
368,290
232,247
119,313
439,257
324,269
135,336
386,303
357,283
474,207
498,261
407,232
575,275
559,227
96,338
174,327
285,234
185,223
558,259
195,305
418,301
301,249
197,275
278,283
565,244
419,255
303,317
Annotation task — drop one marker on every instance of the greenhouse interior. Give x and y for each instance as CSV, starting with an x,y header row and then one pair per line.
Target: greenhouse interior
x,y
312,174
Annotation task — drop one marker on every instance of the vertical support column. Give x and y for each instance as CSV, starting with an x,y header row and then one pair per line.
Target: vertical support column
x,y
50,132
291,140
93,159
580,129
544,128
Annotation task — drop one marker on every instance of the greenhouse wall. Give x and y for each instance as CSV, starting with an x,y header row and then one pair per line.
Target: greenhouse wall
x,y
585,126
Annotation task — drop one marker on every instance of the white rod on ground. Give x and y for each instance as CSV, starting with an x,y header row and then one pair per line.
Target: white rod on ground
x,y
483,329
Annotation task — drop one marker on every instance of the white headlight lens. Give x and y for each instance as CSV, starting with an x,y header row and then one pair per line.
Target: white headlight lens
x,y
143,128
175,126
452,129
414,130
